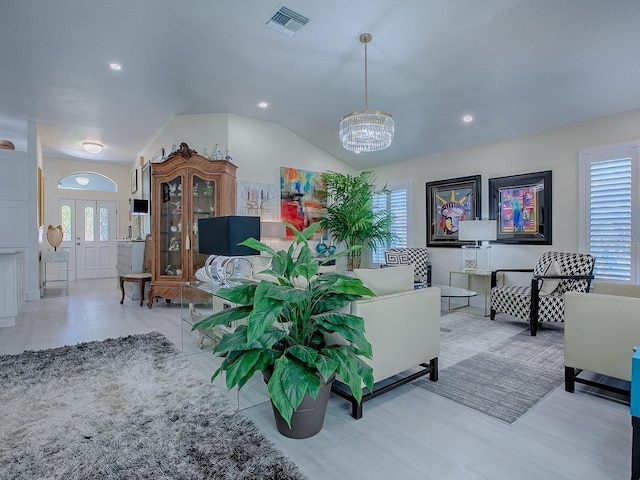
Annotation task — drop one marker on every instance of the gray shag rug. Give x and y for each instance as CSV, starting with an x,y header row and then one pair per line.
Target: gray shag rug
x,y
496,367
126,408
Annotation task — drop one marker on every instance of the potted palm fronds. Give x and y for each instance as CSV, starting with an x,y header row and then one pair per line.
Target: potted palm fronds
x,y
284,329
349,216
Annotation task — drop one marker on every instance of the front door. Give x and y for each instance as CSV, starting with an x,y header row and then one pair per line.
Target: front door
x,y
93,239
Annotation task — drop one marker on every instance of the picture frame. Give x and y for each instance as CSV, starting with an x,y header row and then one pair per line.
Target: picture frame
x,y
448,202
134,181
521,204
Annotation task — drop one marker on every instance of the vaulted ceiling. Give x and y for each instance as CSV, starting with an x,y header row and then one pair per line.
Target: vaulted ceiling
x,y
516,66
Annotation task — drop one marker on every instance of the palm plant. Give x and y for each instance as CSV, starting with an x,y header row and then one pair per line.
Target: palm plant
x,y
286,324
349,216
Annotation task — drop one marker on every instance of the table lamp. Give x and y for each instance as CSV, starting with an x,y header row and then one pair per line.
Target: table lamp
x,y
477,257
139,207
219,237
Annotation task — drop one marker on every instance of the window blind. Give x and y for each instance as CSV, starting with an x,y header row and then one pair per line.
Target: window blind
x,y
395,202
610,218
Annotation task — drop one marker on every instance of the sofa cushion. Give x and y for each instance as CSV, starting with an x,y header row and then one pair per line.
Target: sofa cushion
x,y
550,284
386,280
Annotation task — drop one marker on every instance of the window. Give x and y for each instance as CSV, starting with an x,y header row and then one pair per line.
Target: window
x,y
88,224
395,201
88,181
65,215
610,211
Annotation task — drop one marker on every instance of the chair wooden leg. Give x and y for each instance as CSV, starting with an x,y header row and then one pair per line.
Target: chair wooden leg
x,y
141,287
122,289
493,314
150,303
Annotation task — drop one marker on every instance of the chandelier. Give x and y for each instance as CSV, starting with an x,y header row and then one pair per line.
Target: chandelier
x,y
366,130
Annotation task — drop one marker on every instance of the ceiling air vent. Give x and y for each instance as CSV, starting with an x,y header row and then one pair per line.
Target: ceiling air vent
x,y
285,20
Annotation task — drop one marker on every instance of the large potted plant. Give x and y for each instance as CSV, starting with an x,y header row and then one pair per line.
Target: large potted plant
x,y
349,216
283,331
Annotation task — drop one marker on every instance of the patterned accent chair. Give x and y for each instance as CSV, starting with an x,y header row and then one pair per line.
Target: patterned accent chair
x,y
543,301
418,257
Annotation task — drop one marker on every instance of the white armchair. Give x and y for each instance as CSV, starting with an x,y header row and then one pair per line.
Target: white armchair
x,y
403,327
601,329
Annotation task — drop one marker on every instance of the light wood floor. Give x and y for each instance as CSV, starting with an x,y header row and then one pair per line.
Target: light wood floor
x,y
405,434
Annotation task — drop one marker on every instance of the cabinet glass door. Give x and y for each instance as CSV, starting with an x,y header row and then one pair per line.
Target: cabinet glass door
x,y
171,245
204,206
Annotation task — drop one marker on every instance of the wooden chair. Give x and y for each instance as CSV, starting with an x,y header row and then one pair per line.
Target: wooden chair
x,y
143,277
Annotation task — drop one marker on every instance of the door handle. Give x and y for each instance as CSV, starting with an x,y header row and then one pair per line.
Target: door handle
x,y
78,243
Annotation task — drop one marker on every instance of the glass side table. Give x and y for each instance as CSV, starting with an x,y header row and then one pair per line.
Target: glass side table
x,y
485,275
198,301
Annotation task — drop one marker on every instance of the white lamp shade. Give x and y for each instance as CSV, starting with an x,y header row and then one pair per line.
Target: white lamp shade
x,y
477,230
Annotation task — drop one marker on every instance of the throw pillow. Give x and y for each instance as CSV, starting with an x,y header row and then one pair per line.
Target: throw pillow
x,y
550,284
386,280
393,258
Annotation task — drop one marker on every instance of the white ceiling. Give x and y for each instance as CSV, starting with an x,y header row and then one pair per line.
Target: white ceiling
x,y
518,66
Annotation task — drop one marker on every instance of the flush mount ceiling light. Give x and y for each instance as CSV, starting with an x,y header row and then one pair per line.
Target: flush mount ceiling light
x,y
92,147
366,130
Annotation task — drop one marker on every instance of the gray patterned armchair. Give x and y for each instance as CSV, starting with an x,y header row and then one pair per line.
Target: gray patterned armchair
x,y
543,301
418,257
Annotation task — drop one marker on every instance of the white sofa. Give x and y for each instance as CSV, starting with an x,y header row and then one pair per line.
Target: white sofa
x,y
601,329
403,327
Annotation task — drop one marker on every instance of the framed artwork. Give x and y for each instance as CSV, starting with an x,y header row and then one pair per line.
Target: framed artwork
x,y
448,202
258,199
521,204
134,181
300,204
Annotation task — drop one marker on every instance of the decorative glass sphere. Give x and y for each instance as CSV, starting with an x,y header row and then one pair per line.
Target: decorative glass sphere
x,y
331,249
321,248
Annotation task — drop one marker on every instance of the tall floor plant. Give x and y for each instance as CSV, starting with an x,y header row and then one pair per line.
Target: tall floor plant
x,y
349,217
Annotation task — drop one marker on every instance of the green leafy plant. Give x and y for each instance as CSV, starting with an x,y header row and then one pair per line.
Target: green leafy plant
x,y
349,216
286,324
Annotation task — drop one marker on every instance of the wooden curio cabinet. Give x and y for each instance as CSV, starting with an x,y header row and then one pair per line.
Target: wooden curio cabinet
x,y
186,187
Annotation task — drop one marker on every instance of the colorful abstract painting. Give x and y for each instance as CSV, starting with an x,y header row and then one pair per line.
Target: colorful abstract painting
x,y
518,210
299,202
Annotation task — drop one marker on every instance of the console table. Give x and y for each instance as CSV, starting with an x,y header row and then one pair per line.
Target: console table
x,y
60,256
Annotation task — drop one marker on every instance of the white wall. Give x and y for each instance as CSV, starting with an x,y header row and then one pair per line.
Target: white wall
x,y
556,150
258,148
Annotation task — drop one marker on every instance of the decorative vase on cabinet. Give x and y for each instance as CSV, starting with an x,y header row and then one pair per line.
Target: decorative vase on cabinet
x,y
186,187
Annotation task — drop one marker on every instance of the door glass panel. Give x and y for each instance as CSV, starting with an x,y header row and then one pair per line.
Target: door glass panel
x,y
204,206
171,243
88,224
65,216
104,224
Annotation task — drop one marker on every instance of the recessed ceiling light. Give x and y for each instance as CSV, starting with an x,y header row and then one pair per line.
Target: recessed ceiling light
x,y
115,66
467,119
92,147
263,104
